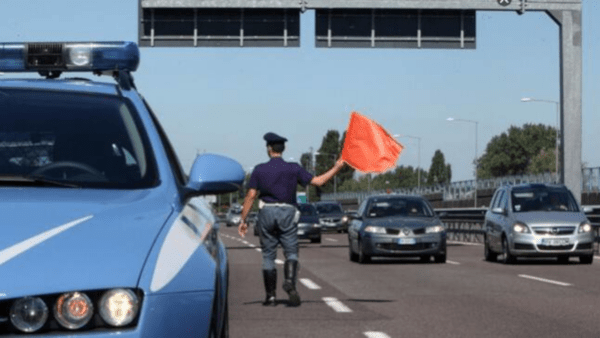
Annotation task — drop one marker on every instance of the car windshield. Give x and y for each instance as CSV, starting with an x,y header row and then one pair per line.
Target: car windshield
x,y
542,199
389,207
329,209
307,210
81,140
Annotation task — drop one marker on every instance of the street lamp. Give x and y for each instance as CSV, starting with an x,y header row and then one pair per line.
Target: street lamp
x,y
557,103
451,119
418,157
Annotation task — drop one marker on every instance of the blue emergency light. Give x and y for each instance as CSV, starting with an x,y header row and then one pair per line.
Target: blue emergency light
x,y
69,56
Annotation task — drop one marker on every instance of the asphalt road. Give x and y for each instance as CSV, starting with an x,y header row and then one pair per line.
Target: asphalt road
x,y
466,297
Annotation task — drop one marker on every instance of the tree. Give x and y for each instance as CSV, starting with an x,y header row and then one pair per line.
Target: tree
x,y
439,171
519,151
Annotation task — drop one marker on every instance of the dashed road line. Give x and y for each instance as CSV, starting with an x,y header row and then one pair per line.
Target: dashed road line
x,y
279,261
309,284
336,305
375,334
258,249
452,262
545,280
331,239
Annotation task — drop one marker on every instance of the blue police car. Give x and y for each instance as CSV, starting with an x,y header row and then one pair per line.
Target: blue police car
x,y
102,232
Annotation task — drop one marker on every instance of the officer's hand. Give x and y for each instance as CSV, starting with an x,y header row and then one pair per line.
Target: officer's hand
x,y
243,229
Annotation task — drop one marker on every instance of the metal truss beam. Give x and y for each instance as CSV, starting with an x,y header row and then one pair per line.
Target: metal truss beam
x,y
486,5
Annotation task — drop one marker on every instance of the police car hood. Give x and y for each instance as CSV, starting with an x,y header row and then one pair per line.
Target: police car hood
x,y
535,218
58,240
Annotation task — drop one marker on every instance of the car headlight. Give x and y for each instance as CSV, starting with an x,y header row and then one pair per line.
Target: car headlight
x,y
119,307
434,229
73,310
316,225
520,228
345,219
585,227
29,314
375,229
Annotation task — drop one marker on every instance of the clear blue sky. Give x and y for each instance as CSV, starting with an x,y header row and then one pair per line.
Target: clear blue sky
x,y
222,100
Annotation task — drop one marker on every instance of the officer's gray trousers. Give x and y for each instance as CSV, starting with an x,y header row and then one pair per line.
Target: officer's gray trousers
x,y
277,226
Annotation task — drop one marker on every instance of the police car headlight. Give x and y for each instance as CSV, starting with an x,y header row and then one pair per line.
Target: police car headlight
x,y
73,310
375,229
585,227
119,307
29,314
345,219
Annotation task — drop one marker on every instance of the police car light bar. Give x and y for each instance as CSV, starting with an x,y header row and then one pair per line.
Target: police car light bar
x,y
69,56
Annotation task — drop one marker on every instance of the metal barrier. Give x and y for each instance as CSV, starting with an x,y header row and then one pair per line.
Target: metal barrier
x,y
466,224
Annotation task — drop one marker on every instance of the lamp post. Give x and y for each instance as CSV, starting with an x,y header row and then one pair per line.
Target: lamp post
x,y
451,119
418,157
557,103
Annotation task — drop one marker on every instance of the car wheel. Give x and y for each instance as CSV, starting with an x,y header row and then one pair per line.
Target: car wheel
x,y
425,259
440,258
588,259
362,256
315,240
490,256
508,257
563,259
353,256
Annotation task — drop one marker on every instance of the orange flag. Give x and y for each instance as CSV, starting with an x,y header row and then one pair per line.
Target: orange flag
x,y
368,147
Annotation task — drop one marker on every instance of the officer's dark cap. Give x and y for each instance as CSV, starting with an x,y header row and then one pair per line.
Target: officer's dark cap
x,y
274,138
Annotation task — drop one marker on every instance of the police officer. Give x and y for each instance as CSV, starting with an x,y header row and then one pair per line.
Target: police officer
x,y
274,183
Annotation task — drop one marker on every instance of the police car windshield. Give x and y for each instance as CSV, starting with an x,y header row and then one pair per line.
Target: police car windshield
x,y
393,207
86,140
542,199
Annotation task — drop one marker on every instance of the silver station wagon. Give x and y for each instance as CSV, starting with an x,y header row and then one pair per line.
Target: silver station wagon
x,y
537,220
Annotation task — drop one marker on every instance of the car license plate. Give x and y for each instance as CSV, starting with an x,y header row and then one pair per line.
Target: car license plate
x,y
407,241
555,241
300,232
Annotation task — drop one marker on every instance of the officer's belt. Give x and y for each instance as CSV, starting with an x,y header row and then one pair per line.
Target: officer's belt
x,y
262,204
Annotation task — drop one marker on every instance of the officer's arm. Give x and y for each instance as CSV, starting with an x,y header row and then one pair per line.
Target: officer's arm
x,y
248,202
323,178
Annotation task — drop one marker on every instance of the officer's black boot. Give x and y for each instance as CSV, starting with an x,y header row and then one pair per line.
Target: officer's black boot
x,y
270,278
290,270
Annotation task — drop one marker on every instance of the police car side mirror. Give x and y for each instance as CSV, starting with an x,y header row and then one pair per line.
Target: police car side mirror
x,y
500,211
214,174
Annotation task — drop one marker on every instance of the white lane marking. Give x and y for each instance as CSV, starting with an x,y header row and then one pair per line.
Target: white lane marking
x,y
245,242
279,261
336,305
252,245
452,262
544,280
309,284
375,334
597,257
17,249
331,239
464,243
258,249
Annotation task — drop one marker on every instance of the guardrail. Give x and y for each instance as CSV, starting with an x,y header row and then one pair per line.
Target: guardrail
x,y
466,224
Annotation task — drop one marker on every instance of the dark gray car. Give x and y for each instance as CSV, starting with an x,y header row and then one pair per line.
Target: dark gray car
x,y
308,224
537,220
397,226
332,216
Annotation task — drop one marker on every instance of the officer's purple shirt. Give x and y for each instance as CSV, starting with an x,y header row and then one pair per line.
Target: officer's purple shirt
x,y
277,180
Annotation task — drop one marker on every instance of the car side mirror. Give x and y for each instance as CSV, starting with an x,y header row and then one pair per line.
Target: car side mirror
x,y
214,174
501,211
587,209
442,214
